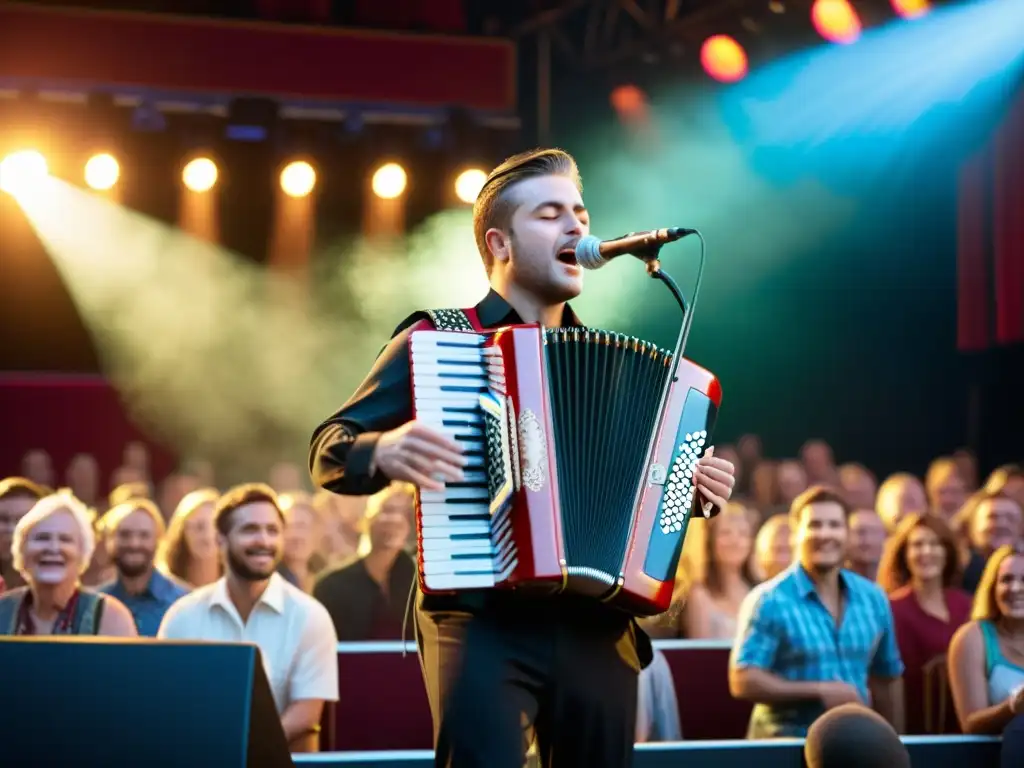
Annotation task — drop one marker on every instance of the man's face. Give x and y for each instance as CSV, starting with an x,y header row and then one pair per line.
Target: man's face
x,y
391,526
133,545
548,221
821,536
255,542
997,522
792,480
867,537
949,494
12,509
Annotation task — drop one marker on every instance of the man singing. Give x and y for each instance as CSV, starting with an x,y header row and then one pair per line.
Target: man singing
x,y
497,664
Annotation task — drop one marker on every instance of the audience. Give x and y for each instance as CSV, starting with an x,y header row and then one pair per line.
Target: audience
x,y
135,528
852,736
301,562
986,657
816,636
189,550
370,597
920,572
723,577
17,496
253,603
867,537
51,548
773,548
782,659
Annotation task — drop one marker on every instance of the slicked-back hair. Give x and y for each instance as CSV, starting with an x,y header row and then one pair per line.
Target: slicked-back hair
x,y
239,496
495,204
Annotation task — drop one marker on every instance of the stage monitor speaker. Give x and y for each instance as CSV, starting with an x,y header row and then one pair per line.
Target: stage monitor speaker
x,y
102,703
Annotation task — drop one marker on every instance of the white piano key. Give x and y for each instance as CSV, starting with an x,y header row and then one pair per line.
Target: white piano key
x,y
445,582
433,355
462,565
447,337
432,383
437,367
451,494
434,508
442,548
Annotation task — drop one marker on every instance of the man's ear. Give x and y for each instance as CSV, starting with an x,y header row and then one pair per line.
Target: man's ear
x,y
499,244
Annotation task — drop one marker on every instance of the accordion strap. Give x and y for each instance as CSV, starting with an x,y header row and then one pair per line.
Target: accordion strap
x,y
454,319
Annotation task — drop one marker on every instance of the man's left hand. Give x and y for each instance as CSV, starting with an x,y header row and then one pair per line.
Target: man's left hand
x,y
715,479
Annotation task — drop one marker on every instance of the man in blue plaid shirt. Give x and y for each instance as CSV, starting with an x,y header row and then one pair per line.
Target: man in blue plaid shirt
x,y
817,635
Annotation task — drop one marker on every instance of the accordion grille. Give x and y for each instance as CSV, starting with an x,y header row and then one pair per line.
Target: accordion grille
x,y
605,392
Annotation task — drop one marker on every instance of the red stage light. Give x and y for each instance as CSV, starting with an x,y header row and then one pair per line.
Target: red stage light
x,y
836,21
723,59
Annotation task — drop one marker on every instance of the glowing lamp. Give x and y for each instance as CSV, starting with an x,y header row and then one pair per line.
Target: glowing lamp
x,y
389,181
200,174
723,59
911,9
102,172
836,21
22,172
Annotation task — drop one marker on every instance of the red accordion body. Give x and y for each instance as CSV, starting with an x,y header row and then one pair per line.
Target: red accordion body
x,y
580,456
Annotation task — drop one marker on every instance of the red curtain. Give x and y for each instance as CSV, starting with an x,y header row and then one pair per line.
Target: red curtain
x,y
990,261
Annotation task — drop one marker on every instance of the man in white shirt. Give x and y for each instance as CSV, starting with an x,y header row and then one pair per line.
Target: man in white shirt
x,y
252,603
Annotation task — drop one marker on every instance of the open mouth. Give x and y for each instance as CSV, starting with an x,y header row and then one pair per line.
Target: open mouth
x,y
567,256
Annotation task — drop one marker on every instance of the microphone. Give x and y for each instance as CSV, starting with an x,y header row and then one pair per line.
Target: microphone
x,y
592,253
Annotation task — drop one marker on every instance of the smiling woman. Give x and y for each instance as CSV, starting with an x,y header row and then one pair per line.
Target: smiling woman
x,y
52,546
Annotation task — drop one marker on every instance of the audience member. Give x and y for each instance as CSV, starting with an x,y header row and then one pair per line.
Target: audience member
x,y
819,463
986,657
995,520
369,598
852,736
657,708
773,547
858,485
341,518
867,537
37,466
723,577
967,465
285,476
253,603
101,567
189,550
900,495
945,488
764,486
17,496
126,491
134,530
83,479
301,561
816,636
52,546
791,482
1009,478
920,571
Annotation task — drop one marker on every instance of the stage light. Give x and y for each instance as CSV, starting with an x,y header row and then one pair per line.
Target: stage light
x,y
389,181
628,99
22,172
723,59
298,179
836,21
468,184
911,9
200,174
102,172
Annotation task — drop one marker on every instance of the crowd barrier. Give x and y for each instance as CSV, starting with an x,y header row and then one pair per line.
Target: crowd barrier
x,y
391,711
925,752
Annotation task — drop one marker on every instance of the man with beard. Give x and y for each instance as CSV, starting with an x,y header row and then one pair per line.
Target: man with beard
x,y
252,603
17,496
134,529
816,636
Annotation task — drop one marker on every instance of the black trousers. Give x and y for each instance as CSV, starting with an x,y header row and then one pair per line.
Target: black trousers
x,y
562,669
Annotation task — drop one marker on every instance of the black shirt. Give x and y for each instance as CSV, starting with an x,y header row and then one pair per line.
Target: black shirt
x,y
342,448
358,606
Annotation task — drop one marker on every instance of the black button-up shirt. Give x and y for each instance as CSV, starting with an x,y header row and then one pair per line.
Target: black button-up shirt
x,y
342,447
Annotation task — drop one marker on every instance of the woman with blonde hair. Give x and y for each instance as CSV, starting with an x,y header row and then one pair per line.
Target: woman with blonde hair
x,y
52,547
189,551
986,657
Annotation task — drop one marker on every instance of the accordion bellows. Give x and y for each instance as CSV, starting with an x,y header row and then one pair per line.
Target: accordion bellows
x,y
580,454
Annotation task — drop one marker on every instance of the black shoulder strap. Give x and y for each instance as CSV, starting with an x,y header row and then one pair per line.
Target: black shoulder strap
x,y
450,320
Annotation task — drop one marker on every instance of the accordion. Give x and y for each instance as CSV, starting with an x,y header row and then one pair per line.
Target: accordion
x,y
580,458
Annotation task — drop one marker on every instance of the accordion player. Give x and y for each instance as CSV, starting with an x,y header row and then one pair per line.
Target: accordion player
x,y
580,457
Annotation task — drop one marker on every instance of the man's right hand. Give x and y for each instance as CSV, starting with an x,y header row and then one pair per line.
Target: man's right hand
x,y
420,455
835,694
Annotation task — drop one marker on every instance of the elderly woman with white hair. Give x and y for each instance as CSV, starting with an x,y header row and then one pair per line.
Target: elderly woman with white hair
x,y
52,546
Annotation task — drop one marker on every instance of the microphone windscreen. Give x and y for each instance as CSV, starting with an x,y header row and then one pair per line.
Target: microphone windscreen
x,y
853,736
588,253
